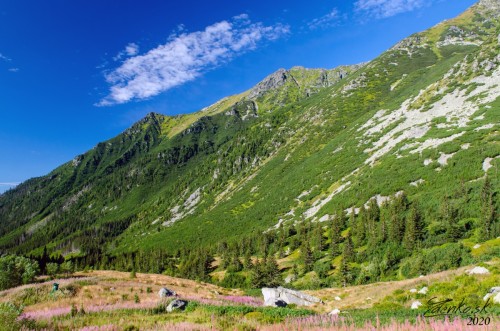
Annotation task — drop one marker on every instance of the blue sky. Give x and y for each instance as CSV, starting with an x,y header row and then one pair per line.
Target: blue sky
x,y
73,73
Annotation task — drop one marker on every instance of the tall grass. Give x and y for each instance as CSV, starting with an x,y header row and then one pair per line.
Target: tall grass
x,y
323,322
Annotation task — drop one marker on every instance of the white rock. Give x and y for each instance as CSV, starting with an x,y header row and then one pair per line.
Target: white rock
x,y
421,276
337,298
423,290
478,271
443,158
271,295
415,304
493,292
334,312
413,290
476,246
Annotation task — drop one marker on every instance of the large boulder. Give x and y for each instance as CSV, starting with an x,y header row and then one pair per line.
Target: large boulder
x,y
289,296
165,292
275,303
478,271
494,293
176,305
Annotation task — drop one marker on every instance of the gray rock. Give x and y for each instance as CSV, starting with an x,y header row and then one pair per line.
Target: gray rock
x,y
177,305
290,278
271,82
275,303
271,295
478,271
165,293
492,293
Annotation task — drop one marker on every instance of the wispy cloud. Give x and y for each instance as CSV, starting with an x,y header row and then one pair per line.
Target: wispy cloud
x,y
131,49
185,57
325,21
4,58
13,69
387,8
9,184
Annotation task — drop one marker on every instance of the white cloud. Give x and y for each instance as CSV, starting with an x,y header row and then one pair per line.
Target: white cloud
x,y
9,184
185,57
4,58
131,49
13,69
387,8
325,21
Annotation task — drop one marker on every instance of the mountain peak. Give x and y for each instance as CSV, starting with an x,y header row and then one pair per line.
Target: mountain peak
x,y
271,82
490,4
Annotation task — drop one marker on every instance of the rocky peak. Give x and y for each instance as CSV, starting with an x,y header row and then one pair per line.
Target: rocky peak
x,y
490,3
150,118
271,82
493,5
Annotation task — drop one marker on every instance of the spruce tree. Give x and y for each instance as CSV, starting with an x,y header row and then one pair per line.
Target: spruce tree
x,y
348,252
487,211
410,237
448,217
360,227
335,236
307,257
272,272
345,273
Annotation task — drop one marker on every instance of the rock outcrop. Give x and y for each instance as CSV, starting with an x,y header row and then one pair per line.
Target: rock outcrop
x,y
271,82
165,293
177,305
478,271
494,293
271,295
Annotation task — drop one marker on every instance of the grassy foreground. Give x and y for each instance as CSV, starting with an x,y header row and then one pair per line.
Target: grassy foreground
x,y
109,300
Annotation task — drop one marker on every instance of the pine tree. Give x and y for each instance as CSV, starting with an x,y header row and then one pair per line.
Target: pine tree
x,y
345,274
413,229
348,252
247,261
319,241
396,219
257,275
448,216
307,257
272,272
360,227
335,236
488,211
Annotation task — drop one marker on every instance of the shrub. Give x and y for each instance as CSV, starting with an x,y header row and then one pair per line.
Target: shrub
x,y
16,270
234,280
73,311
52,269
